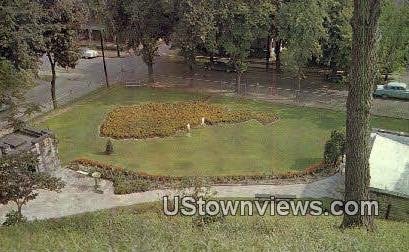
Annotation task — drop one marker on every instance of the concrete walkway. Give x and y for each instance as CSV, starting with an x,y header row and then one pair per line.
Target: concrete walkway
x,y
78,196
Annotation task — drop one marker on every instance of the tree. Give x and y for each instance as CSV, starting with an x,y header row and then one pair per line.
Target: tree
x,y
143,23
195,27
393,51
278,42
20,48
104,13
21,33
357,174
61,21
301,26
239,24
337,45
13,85
19,182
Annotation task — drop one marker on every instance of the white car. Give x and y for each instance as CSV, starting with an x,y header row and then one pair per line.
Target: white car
x,y
89,53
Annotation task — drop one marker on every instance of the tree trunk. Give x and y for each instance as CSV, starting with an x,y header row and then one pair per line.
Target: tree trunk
x,y
212,59
386,76
19,210
357,174
334,69
238,82
53,79
118,49
150,73
268,53
277,52
103,59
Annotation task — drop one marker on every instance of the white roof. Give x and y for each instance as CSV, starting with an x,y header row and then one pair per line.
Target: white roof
x,y
389,162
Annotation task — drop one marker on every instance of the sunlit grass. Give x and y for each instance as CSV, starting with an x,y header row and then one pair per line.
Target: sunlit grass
x,y
291,144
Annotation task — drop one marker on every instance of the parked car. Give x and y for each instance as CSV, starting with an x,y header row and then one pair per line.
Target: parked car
x,y
4,107
89,53
392,90
221,64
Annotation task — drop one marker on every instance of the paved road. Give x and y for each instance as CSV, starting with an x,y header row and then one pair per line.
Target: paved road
x,y
78,196
88,76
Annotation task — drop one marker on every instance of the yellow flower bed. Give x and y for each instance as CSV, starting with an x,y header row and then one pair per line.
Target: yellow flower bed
x,y
165,119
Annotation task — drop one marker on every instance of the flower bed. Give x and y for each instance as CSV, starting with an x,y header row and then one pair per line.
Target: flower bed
x,y
126,182
165,119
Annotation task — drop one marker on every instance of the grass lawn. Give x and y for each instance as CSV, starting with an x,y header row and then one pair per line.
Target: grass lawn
x,y
143,228
291,144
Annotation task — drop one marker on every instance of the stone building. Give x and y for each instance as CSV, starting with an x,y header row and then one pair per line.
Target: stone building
x,y
40,142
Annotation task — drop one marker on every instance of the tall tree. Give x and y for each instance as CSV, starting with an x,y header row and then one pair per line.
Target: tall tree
x,y
103,13
19,182
195,27
21,33
143,23
301,26
239,24
357,175
277,40
61,21
337,45
393,52
20,48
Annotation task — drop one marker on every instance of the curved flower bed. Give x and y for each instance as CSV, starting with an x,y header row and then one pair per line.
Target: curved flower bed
x,y
165,119
126,181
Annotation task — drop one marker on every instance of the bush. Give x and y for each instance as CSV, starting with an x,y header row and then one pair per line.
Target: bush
x,y
13,218
126,181
109,148
126,185
334,148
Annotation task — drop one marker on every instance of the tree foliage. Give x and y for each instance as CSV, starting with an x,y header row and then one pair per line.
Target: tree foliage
x,y
143,23
301,27
195,28
20,33
61,20
239,23
393,51
21,45
19,182
337,44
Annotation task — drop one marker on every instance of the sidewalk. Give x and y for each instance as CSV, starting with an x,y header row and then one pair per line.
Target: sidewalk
x,y
78,196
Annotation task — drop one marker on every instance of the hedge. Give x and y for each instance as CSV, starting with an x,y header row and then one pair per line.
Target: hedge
x,y
126,181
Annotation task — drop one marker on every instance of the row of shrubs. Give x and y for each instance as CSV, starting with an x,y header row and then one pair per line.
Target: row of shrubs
x,y
126,181
165,119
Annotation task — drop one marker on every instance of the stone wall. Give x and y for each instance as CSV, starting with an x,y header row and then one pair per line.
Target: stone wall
x,y
47,154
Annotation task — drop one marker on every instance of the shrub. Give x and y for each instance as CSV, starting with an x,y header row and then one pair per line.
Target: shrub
x,y
334,148
126,182
126,185
13,218
109,148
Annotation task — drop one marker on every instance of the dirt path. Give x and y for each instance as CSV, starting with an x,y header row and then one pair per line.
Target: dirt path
x,y
78,196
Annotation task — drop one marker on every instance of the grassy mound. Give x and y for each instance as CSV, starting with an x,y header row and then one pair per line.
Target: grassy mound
x,y
145,228
165,119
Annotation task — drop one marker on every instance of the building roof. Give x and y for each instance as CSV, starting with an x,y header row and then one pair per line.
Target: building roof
x,y
22,140
389,162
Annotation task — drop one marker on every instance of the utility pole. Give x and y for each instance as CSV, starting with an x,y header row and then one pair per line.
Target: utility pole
x,y
103,57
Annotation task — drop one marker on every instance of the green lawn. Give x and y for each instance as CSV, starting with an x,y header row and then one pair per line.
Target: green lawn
x,y
144,228
291,144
